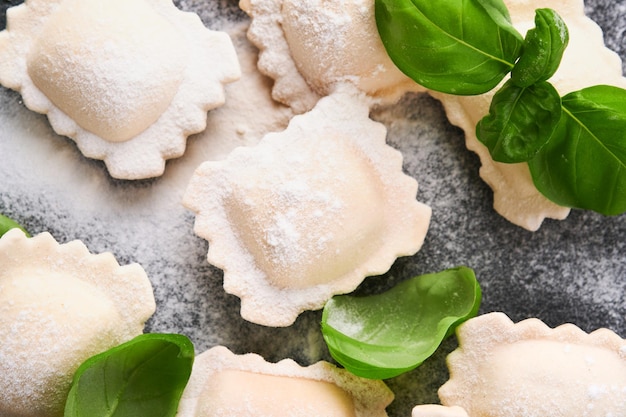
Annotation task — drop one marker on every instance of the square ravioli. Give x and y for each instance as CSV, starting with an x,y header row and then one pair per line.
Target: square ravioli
x,y
309,47
309,212
224,384
127,80
506,369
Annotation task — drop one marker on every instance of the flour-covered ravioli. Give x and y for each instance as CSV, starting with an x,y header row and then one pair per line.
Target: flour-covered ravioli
x,y
59,305
225,384
586,62
309,212
502,369
308,47
436,410
127,80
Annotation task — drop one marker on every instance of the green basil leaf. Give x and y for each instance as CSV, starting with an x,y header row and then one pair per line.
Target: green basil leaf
x,y
453,46
384,335
584,163
144,377
7,224
543,49
520,121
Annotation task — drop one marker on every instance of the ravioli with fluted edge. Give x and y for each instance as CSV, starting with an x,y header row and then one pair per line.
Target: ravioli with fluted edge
x,y
60,305
308,47
506,369
309,212
225,384
127,80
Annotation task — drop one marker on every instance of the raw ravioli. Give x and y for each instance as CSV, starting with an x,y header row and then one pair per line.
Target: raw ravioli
x,y
309,212
60,305
309,47
586,62
127,80
225,384
506,369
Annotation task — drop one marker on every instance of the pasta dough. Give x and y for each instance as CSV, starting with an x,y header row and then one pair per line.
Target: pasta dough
x,y
502,369
60,305
309,212
225,384
308,47
127,80
435,410
242,393
113,67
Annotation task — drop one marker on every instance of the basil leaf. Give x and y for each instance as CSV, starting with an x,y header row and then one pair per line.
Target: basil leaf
x,y
543,49
384,335
520,121
144,377
7,224
453,46
584,163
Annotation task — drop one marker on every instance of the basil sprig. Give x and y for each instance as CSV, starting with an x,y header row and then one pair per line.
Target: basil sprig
x,y
144,377
526,110
575,145
381,336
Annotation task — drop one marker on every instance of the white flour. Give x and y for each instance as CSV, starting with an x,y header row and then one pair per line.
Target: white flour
x,y
47,184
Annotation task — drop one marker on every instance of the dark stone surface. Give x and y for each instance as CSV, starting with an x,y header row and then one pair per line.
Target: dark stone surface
x,y
568,271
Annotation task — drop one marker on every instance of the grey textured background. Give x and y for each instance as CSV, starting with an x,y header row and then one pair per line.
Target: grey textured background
x,y
568,271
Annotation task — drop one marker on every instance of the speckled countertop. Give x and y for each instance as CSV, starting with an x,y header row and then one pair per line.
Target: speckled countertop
x,y
568,271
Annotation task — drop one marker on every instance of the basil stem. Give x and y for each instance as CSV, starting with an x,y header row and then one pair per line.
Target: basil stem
x,y
384,335
144,377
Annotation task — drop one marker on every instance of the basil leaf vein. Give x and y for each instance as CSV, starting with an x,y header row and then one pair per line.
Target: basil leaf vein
x,y
543,49
520,122
430,43
583,165
384,335
143,377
